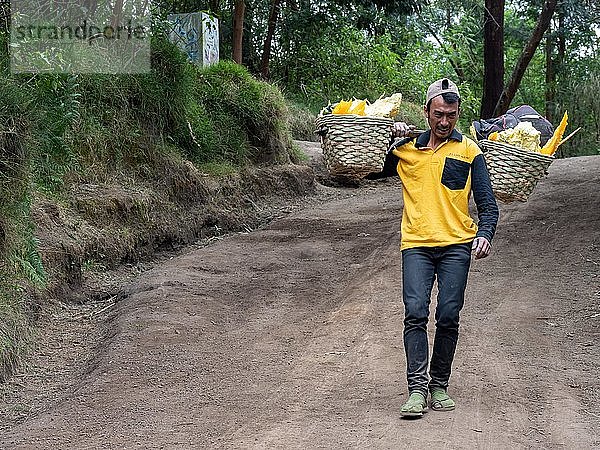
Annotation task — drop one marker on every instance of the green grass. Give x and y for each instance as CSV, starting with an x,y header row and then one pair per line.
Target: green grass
x,y
234,117
302,122
298,155
218,169
14,327
20,263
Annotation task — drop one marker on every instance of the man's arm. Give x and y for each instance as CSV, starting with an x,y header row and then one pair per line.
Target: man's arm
x,y
487,208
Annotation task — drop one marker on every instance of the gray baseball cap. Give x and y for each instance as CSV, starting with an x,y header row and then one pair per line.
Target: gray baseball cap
x,y
440,87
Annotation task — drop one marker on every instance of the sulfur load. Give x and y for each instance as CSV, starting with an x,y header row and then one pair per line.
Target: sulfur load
x,y
383,107
524,135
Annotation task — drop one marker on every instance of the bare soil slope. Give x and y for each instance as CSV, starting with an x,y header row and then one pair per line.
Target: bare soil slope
x,y
291,337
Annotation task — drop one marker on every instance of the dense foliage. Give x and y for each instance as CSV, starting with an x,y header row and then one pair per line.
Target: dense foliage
x,y
326,50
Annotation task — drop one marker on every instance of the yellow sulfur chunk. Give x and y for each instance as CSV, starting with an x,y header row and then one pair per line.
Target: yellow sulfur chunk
x,y
342,107
554,141
524,135
358,107
385,107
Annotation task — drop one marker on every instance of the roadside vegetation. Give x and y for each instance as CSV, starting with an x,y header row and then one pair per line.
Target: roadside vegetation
x,y
61,131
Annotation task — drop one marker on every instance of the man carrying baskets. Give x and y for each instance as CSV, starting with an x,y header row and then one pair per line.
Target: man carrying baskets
x,y
439,170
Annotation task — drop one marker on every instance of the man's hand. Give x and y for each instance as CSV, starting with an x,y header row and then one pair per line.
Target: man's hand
x,y
481,247
401,129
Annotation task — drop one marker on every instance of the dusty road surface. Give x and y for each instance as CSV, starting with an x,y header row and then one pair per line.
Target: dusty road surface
x,y
291,337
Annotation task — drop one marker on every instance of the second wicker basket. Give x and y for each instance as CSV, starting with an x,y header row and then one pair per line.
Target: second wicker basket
x,y
353,146
514,172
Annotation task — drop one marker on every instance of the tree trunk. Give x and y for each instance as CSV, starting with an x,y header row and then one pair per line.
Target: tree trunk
x,y
266,56
550,77
238,30
542,25
249,58
562,46
555,63
493,56
117,16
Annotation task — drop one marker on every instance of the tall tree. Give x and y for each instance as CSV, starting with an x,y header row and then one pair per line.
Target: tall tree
x,y
117,14
456,26
554,63
570,39
517,75
449,50
238,30
266,55
493,56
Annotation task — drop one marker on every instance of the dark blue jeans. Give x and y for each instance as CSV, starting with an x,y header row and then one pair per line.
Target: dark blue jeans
x,y
420,267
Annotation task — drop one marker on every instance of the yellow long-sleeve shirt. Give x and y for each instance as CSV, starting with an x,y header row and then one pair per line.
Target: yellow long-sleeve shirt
x,y
436,186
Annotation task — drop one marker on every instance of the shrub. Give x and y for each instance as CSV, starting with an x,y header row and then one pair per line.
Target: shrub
x,y
56,129
19,259
247,118
302,122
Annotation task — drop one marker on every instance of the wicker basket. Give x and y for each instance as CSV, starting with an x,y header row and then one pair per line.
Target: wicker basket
x,y
514,172
353,146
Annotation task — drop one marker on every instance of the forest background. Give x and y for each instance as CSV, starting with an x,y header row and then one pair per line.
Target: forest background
x,y
542,53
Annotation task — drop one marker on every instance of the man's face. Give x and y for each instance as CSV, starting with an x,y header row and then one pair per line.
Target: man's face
x,y
442,117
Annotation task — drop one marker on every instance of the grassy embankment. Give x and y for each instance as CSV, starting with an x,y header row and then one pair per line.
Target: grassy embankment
x,y
95,169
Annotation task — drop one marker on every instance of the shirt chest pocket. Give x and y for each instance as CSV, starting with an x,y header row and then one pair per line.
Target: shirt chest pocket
x,y
455,174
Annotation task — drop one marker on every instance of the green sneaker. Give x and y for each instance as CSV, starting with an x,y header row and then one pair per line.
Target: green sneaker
x,y
441,401
415,406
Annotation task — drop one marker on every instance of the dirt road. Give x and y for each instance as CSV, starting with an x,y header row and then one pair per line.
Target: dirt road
x,y
291,337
